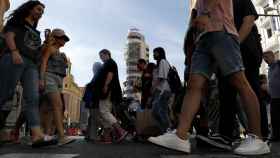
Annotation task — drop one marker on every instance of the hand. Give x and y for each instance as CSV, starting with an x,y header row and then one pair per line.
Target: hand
x,y
41,84
16,57
201,22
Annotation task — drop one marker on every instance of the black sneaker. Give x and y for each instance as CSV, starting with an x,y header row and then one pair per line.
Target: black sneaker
x,y
216,140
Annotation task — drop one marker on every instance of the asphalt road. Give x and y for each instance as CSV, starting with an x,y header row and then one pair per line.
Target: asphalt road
x,y
83,149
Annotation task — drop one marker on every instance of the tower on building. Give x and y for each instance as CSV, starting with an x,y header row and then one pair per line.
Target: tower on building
x,y
136,48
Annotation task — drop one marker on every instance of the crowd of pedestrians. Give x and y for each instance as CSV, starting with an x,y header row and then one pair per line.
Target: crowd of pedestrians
x,y
38,68
223,99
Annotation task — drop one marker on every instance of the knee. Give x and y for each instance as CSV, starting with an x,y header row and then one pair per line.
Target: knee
x,y
239,81
195,86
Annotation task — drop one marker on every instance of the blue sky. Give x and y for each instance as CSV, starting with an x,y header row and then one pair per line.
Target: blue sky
x,y
96,24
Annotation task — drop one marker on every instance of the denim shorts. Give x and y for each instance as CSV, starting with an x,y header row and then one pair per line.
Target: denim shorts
x,y
54,83
217,50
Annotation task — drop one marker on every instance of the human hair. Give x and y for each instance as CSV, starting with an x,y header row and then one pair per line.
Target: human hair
x,y
142,61
161,52
105,51
17,17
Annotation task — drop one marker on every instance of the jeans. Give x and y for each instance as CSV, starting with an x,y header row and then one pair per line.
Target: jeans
x,y
160,109
275,119
27,74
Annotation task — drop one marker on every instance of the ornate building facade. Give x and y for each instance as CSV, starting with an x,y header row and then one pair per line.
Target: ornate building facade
x,y
72,94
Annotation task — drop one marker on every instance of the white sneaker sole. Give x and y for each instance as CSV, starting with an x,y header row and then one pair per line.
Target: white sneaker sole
x,y
263,151
162,144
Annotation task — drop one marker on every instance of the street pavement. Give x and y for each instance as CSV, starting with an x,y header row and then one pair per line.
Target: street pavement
x,y
127,149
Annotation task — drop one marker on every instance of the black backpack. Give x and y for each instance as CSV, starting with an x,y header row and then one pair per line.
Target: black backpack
x,y
174,81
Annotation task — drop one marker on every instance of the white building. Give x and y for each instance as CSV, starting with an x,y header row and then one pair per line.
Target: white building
x,y
136,49
269,26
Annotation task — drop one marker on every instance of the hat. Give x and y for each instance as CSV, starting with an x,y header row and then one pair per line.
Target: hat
x,y
60,33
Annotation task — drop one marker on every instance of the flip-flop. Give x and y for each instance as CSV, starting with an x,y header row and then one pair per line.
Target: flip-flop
x,y
42,142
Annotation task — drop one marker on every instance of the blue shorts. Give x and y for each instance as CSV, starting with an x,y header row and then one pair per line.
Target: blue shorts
x,y
217,50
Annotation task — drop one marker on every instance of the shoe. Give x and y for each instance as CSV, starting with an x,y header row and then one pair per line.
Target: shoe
x,y
252,145
172,141
65,141
120,134
44,142
106,137
14,136
216,140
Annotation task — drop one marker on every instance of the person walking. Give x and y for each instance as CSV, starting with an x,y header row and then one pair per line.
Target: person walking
x,y
245,15
111,95
19,63
274,91
217,44
161,91
52,71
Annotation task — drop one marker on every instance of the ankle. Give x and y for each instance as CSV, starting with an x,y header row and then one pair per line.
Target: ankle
x,y
181,135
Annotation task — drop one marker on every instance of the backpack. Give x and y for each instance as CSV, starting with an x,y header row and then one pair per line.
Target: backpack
x,y
173,80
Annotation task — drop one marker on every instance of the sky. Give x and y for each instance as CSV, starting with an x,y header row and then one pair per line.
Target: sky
x,y
96,24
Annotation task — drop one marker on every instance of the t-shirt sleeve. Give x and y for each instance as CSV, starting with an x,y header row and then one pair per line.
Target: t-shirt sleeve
x,y
163,69
249,8
10,28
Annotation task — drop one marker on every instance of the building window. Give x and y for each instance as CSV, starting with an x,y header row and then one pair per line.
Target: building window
x,y
269,33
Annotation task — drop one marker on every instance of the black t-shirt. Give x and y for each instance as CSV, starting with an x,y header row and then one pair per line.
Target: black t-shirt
x,y
251,49
114,86
27,40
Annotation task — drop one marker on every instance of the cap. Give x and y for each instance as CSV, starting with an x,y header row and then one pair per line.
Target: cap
x,y
60,33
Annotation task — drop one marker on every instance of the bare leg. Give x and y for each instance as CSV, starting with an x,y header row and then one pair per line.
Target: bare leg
x,y
250,102
191,104
56,102
46,117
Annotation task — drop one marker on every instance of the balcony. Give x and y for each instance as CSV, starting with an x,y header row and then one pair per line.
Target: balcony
x,y
265,22
273,43
262,3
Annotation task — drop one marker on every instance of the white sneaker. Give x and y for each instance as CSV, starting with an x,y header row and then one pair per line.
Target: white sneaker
x,y
172,141
252,145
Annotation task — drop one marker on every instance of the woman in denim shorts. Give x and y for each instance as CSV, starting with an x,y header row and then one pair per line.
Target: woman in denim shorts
x,y
52,71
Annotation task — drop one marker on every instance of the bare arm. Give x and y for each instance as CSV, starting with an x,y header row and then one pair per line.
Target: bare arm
x,y
46,53
246,27
10,40
109,78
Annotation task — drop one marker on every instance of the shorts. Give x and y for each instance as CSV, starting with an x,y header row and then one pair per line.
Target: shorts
x,y
217,50
54,83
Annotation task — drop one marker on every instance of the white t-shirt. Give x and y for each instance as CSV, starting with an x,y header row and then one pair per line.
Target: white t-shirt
x,y
162,73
